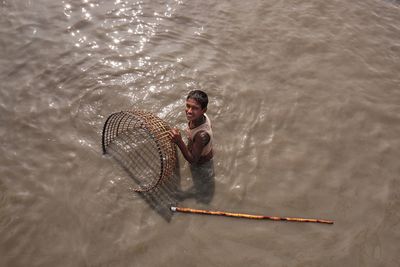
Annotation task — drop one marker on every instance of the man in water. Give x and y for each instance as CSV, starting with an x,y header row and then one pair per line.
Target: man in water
x,y
199,147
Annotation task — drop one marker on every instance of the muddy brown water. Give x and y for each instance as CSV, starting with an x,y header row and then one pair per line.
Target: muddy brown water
x,y
305,106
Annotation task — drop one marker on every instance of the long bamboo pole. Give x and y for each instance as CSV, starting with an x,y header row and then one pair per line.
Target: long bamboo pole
x,y
248,216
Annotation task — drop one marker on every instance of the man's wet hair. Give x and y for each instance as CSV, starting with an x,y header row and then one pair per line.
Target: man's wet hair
x,y
200,97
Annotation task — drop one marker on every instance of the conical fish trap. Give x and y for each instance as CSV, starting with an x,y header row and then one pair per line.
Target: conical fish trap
x,y
140,143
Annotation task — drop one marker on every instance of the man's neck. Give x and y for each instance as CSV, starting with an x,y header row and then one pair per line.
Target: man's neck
x,y
198,122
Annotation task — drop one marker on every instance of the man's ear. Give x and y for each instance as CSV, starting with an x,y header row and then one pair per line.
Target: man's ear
x,y
204,110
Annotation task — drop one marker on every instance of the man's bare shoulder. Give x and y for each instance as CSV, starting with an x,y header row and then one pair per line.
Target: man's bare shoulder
x,y
202,137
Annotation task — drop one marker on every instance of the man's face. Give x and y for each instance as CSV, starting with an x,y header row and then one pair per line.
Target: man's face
x,y
193,110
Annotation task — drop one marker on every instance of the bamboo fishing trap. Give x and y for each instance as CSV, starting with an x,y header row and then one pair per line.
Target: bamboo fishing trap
x,y
140,142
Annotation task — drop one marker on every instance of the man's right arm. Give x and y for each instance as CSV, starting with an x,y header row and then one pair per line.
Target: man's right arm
x,y
194,155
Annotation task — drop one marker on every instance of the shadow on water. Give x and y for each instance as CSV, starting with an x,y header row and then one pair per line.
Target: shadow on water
x,y
160,197
169,193
163,196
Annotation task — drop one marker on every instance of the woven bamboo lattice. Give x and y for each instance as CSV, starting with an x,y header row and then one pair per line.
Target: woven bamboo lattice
x,y
140,143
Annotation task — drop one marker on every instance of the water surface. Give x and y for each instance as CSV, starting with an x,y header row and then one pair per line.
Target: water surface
x,y
304,101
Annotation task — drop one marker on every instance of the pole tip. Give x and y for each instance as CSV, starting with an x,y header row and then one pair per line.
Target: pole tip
x,y
173,208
